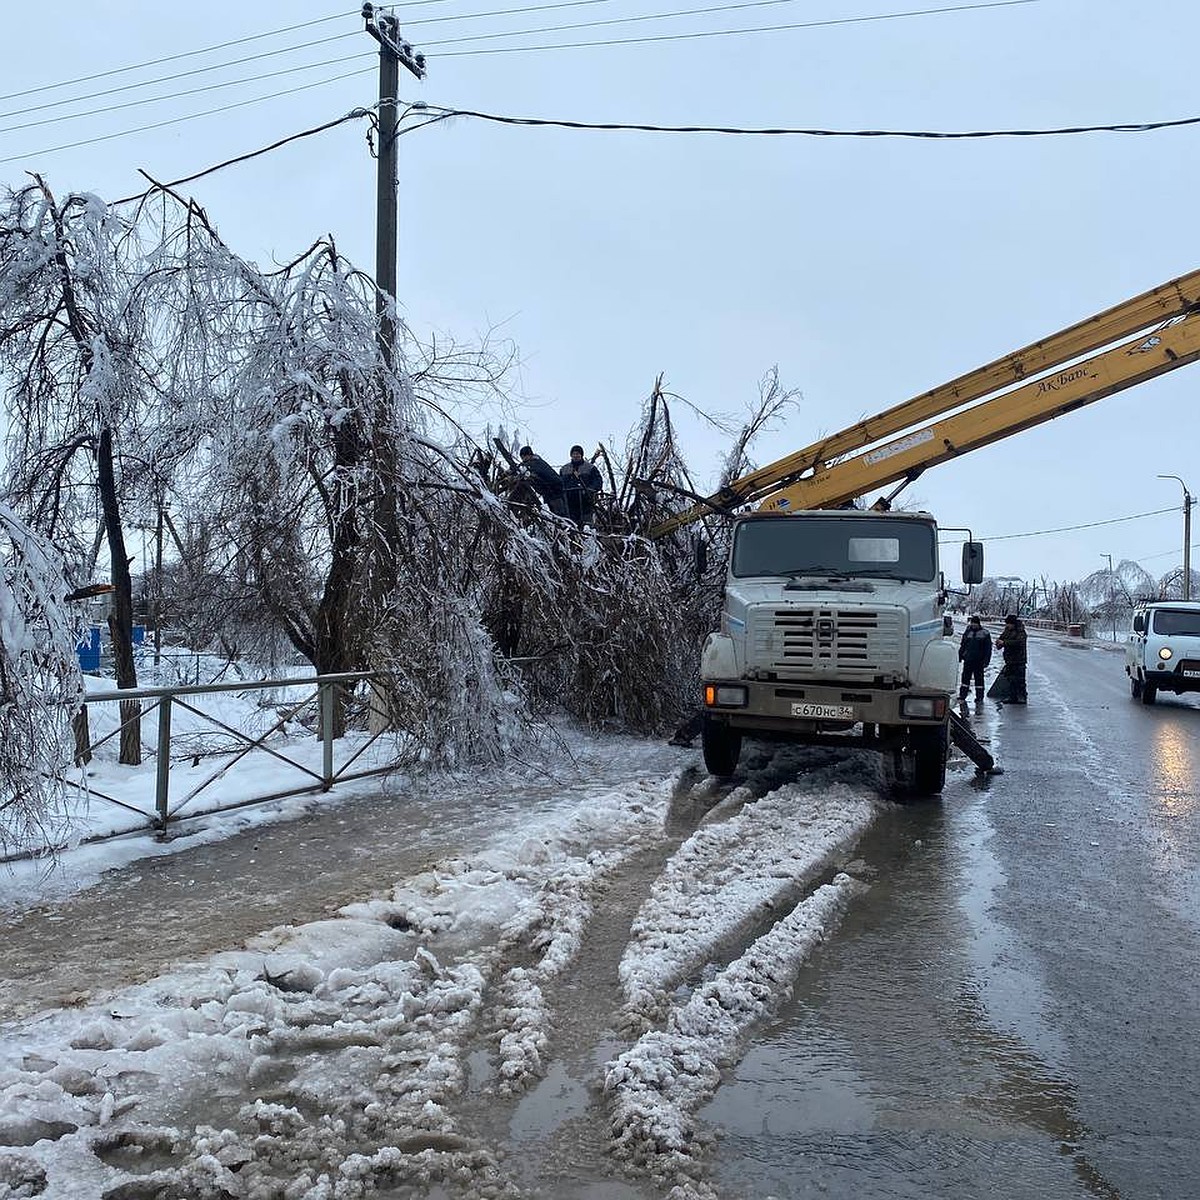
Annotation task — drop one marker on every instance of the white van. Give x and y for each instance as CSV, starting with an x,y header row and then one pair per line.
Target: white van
x,y
1163,651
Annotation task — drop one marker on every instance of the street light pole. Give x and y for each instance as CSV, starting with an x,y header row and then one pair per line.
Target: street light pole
x,y
1188,501
1112,612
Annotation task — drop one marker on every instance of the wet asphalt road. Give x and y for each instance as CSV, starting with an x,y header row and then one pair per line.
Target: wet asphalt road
x,y
1013,1010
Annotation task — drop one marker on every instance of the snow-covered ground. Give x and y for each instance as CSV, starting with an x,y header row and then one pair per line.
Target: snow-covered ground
x,y
387,1050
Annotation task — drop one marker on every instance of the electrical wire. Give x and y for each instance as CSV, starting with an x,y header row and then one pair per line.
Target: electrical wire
x,y
254,37
154,62
129,87
1005,537
1164,553
501,12
504,12
108,137
351,58
558,123
353,115
92,97
926,12
55,120
212,87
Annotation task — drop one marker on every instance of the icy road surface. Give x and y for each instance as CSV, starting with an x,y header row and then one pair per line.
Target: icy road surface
x,y
524,992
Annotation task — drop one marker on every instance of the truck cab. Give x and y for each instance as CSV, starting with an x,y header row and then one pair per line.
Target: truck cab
x,y
832,631
1163,649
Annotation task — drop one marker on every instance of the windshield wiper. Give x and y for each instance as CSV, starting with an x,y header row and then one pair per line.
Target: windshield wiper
x,y
820,569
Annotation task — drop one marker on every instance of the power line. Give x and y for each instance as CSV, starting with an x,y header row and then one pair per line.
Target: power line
x,y
91,97
1005,537
108,137
1164,553
354,114
212,87
720,32
502,12
254,37
352,58
557,123
129,87
154,62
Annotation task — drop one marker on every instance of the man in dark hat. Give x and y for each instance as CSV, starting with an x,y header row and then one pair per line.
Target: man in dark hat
x,y
581,486
974,652
1012,641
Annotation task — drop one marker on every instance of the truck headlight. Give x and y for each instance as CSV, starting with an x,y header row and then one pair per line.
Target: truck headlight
x,y
1165,653
931,707
724,695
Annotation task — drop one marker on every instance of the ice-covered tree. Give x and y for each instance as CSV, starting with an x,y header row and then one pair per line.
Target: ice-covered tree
x,y
40,683
83,384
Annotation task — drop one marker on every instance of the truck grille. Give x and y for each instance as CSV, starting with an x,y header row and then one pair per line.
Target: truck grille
x,y
853,643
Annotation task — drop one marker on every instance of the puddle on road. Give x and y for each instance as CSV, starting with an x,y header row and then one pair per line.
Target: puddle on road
x,y
911,1061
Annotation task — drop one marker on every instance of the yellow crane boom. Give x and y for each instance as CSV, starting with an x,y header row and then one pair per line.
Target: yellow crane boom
x,y
806,479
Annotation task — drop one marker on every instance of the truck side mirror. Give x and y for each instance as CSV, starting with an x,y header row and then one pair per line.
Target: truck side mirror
x,y
1139,623
972,562
700,554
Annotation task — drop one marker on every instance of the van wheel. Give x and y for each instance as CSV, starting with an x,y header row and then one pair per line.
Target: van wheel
x,y
1135,687
722,747
928,748
1149,691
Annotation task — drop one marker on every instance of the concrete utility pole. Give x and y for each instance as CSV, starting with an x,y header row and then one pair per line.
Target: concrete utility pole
x,y
394,52
1188,501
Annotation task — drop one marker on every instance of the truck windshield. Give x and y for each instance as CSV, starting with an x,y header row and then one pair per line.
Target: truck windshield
x,y
1179,622
875,548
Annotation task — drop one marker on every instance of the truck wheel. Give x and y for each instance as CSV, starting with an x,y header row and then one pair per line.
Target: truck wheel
x,y
1149,691
722,746
928,748
1135,687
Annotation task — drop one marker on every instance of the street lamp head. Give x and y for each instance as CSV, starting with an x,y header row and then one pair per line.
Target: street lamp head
x,y
1177,480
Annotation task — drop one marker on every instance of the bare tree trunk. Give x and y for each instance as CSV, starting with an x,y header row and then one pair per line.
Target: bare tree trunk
x,y
80,726
120,617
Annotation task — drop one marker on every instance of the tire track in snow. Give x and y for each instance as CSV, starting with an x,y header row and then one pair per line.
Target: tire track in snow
x,y
730,875
657,1086
730,860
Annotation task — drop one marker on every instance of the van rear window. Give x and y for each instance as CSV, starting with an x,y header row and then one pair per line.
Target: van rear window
x,y
1176,622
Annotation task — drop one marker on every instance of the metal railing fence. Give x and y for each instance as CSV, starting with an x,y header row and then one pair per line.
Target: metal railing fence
x,y
166,702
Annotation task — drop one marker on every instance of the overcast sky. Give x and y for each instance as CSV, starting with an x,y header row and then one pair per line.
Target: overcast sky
x,y
869,270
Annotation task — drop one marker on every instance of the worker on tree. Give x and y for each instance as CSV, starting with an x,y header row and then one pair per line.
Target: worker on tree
x,y
545,480
581,484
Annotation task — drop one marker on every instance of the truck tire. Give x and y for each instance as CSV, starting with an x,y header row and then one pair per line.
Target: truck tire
x,y
722,747
1149,691
1135,687
928,748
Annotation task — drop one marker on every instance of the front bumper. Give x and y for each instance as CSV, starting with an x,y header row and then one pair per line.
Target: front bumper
x,y
1173,681
786,707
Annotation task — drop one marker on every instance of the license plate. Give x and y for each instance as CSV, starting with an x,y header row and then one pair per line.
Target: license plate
x,y
1192,674
824,712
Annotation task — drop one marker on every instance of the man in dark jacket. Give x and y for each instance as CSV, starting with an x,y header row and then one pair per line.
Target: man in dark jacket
x,y
1012,641
974,652
545,480
581,484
